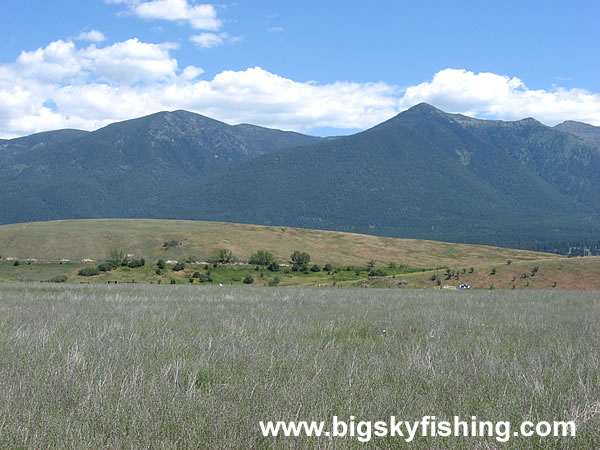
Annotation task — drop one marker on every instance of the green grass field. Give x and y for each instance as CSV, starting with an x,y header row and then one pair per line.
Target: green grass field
x,y
112,366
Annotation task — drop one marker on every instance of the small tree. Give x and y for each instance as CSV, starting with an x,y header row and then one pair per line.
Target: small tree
x,y
273,267
261,258
225,256
493,271
274,282
315,268
300,259
249,279
178,266
116,258
161,264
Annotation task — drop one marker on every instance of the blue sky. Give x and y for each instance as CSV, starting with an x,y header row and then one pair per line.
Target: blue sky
x,y
316,67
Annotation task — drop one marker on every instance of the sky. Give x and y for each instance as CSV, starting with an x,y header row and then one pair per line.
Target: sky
x,y
324,68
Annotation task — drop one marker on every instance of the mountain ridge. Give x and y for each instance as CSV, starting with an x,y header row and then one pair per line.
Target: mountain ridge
x,y
423,173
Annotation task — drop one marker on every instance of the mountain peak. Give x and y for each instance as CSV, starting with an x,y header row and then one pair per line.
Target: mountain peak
x,y
529,121
423,106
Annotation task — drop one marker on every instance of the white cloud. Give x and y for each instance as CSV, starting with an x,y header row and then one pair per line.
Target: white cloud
x,y
498,96
92,36
92,86
275,29
131,61
200,17
209,40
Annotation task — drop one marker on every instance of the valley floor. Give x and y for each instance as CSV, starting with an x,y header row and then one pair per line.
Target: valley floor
x,y
107,366
560,273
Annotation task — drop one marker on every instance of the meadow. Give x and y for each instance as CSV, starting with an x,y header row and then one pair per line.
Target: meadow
x,y
147,366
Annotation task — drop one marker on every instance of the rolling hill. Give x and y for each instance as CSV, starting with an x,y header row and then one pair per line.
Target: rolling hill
x,y
61,248
76,240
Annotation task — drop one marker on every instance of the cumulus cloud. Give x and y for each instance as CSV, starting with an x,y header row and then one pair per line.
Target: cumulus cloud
x,y
499,96
92,36
131,61
91,86
201,17
209,40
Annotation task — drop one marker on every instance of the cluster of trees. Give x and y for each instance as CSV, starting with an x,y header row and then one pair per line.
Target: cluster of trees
x,y
117,258
299,262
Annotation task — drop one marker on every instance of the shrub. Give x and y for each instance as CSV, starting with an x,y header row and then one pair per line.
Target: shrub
x,y
377,273
105,267
315,268
274,282
161,264
328,268
204,277
16,263
249,279
178,266
136,263
88,272
273,267
171,243
59,279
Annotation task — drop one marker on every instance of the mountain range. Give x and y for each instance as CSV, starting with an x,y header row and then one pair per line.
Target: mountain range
x,y
422,174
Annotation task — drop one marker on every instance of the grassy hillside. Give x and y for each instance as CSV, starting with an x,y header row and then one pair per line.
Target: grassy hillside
x,y
76,240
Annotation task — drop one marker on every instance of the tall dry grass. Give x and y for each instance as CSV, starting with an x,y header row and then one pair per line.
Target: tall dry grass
x,y
179,366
